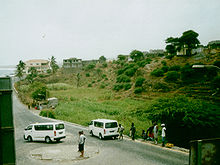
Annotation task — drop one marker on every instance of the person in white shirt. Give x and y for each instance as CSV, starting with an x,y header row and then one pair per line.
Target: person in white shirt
x,y
163,134
82,139
155,133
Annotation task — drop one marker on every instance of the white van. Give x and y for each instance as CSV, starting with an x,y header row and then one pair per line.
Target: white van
x,y
104,128
45,132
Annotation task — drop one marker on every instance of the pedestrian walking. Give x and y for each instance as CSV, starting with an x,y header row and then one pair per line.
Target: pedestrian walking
x,y
120,131
155,133
163,134
82,139
132,131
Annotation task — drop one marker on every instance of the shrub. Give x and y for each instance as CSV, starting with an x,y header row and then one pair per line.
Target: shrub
x,y
89,85
104,65
186,118
172,76
127,86
47,113
102,86
170,56
118,87
90,66
164,62
157,73
123,78
120,71
175,68
87,75
139,81
216,82
165,69
130,72
161,86
217,63
104,76
138,90
40,93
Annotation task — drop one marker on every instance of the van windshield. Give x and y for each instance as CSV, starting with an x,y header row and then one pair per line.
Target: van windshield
x,y
59,126
111,125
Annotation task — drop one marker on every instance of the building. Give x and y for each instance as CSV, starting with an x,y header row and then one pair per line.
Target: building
x,y
77,63
40,65
72,63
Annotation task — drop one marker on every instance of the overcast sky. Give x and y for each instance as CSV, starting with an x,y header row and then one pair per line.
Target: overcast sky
x,y
88,29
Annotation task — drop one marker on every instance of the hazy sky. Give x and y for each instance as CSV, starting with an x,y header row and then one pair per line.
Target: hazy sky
x,y
88,29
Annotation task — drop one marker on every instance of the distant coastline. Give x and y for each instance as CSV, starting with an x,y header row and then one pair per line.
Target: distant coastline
x,y
7,71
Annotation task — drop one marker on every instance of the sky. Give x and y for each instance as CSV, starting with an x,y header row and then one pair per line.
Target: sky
x,y
88,29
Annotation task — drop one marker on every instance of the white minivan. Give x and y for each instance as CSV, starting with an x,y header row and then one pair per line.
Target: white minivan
x,y
45,132
104,128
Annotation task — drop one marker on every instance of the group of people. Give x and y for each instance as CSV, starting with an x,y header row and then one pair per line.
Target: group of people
x,y
152,133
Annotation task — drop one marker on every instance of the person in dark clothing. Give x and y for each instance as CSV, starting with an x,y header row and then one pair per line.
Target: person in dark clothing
x,y
132,131
150,131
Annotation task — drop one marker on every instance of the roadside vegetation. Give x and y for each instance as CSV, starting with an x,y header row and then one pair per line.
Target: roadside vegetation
x,y
140,88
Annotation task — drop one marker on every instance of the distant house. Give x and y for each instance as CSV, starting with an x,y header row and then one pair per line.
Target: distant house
x,y
77,63
72,63
40,65
156,51
213,47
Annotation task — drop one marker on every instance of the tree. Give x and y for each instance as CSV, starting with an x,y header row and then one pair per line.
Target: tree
x,y
102,59
40,93
32,74
136,55
19,69
78,77
53,64
189,38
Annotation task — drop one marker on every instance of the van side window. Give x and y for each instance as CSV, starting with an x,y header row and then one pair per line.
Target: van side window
x,y
98,124
59,126
111,125
29,127
43,127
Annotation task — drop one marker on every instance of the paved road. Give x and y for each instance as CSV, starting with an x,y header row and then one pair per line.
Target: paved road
x,y
100,152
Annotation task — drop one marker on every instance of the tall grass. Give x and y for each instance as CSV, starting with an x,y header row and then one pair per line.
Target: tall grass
x,y
81,105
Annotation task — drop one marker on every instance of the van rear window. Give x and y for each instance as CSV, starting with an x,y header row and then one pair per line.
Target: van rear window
x,y
111,125
59,126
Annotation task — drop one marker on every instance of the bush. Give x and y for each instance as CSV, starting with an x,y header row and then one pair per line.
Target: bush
x,y
130,72
170,56
48,113
164,62
138,90
175,68
118,87
165,69
127,86
120,71
90,66
186,119
123,78
139,81
40,93
161,87
217,63
89,85
157,73
216,82
87,75
172,76
104,65
102,86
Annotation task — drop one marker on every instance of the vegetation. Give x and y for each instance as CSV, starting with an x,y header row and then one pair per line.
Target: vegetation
x,y
19,69
147,88
186,119
53,64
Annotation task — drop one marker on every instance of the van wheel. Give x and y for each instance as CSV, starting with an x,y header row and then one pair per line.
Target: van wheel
x,y
91,133
100,136
47,139
29,139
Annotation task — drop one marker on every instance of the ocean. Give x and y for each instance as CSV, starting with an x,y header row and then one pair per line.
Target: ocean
x,y
7,72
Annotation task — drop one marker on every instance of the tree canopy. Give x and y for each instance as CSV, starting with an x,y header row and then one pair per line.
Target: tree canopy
x,y
19,69
136,55
53,64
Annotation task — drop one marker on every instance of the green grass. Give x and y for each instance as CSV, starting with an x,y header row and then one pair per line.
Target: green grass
x,y
81,105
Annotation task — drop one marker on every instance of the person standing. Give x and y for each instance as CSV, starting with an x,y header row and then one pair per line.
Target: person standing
x,y
120,131
82,139
132,131
163,134
151,134
155,133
